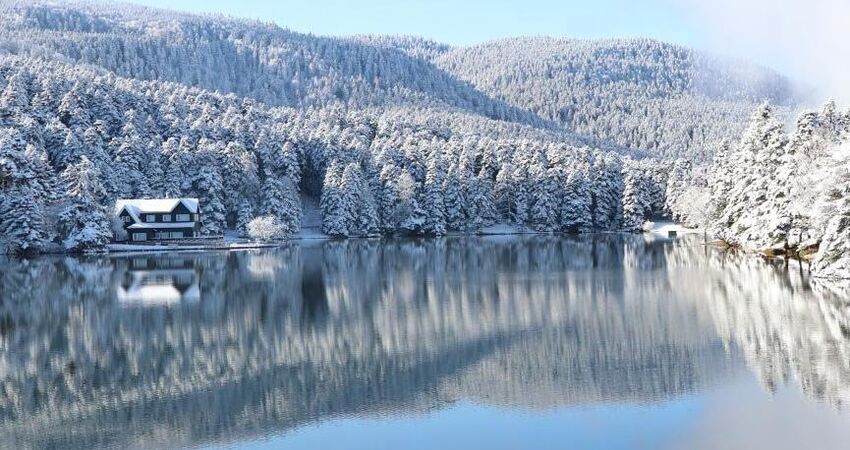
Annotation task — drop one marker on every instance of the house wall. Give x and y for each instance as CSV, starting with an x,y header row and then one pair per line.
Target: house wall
x,y
151,234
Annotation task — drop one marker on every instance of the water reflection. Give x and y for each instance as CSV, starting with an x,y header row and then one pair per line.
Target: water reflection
x,y
157,280
185,349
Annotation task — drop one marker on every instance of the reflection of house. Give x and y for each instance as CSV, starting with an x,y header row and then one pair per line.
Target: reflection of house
x,y
152,281
159,219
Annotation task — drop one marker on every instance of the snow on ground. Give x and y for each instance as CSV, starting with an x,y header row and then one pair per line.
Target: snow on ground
x,y
501,229
232,241
664,227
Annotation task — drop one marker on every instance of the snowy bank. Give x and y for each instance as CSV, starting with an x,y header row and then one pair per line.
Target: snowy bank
x,y
666,228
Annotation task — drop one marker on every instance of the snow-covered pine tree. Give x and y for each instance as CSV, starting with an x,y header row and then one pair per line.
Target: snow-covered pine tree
x,y
481,209
413,215
359,200
575,206
636,205
245,213
206,185
335,211
435,214
759,217
503,191
543,213
289,213
833,257
174,176
606,189
280,199
130,160
454,201
21,220
84,221
22,225
520,211
677,182
720,183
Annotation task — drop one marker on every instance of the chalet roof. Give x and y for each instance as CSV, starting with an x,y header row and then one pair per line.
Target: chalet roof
x,y
154,205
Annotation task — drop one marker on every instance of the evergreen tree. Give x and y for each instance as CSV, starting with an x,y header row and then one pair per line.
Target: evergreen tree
x,y
677,183
335,209
22,221
84,221
482,209
544,206
280,200
454,201
434,206
636,205
833,257
206,185
575,205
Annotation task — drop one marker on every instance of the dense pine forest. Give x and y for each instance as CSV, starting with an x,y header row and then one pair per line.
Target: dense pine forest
x,y
397,135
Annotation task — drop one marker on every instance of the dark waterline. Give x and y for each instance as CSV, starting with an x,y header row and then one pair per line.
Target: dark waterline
x,y
609,341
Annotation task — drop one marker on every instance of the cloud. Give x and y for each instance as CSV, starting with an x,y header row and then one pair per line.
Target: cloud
x,y
806,39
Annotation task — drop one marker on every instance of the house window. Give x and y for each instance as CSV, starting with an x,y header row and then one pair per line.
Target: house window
x,y
150,218
166,217
140,236
126,219
176,235
183,218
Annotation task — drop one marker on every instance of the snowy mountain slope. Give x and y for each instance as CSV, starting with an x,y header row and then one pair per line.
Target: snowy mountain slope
x,y
250,59
637,93
74,138
106,101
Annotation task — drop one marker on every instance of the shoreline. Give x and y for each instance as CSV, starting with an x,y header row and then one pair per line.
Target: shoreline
x,y
229,243
502,230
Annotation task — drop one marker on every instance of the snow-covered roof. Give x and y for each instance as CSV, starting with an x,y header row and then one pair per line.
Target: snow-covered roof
x,y
154,205
159,225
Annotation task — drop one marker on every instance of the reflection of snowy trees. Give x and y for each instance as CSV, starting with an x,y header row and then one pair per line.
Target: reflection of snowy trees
x,y
786,327
292,335
286,337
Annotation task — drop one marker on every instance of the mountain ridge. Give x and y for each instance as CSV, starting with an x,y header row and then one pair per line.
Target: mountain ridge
x,y
281,67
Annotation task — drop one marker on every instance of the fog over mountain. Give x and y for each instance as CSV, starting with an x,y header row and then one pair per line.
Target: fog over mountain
x,y
805,39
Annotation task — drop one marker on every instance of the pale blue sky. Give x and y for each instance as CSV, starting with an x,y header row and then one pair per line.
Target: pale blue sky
x,y
464,21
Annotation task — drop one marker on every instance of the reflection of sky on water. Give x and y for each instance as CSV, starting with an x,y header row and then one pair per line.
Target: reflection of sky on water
x,y
738,415
467,426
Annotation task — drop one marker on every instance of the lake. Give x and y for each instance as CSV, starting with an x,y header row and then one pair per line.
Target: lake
x,y
603,341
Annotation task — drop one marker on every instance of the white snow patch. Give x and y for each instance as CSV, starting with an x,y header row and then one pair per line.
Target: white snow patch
x,y
501,229
666,227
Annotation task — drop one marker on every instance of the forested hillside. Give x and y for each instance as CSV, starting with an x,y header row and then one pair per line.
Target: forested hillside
x,y
388,134
247,58
787,192
637,93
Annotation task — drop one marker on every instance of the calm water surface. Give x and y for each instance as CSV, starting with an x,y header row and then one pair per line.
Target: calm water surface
x,y
535,342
